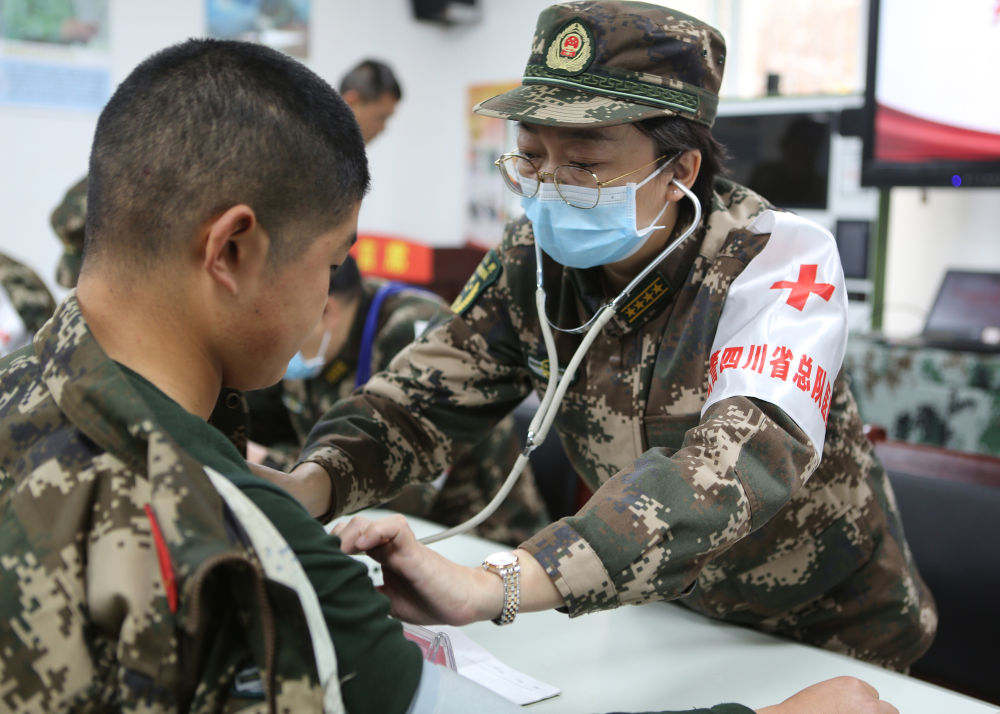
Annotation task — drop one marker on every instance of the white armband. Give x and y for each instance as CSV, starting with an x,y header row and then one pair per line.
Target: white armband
x,y
783,329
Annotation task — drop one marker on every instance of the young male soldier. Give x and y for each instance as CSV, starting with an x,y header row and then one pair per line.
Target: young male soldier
x,y
224,183
727,459
144,567
365,323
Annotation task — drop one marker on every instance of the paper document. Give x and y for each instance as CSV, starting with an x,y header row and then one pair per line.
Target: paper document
x,y
475,663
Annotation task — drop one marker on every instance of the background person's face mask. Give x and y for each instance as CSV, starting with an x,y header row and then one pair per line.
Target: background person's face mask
x,y
301,368
585,238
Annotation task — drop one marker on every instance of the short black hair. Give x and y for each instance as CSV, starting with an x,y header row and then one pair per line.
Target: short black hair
x,y
674,134
371,78
208,124
345,280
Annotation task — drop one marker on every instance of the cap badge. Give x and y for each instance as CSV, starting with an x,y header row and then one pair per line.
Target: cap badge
x,y
571,50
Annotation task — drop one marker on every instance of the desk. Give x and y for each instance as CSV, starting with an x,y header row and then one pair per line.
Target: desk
x,y
660,655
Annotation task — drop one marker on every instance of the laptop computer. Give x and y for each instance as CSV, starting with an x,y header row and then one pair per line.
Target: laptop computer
x,y
965,314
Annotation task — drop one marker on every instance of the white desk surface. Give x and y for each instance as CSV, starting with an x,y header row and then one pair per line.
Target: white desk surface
x,y
663,656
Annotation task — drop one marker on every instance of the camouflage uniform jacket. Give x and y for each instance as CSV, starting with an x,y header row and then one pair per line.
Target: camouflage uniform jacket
x,y
25,304
128,585
471,480
732,511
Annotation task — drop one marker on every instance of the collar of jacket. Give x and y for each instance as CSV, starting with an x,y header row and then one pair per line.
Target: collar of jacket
x,y
647,299
96,397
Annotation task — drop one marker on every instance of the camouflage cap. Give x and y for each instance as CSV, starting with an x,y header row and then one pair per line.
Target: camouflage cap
x,y
603,63
68,221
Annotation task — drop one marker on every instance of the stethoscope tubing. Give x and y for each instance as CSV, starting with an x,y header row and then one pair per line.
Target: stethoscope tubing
x,y
556,386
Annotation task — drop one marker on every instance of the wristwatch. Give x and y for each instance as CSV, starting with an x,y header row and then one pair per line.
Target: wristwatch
x,y
506,566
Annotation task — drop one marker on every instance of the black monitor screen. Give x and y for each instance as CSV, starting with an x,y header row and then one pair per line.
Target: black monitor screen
x,y
967,302
852,243
784,157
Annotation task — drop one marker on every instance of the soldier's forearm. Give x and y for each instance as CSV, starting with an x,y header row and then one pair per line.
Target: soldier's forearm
x,y
308,482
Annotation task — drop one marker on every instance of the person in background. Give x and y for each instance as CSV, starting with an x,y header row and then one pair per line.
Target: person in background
x,y
372,92
25,304
726,454
68,220
145,567
365,323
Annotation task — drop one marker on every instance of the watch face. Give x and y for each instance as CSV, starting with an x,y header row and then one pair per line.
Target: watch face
x,y
501,560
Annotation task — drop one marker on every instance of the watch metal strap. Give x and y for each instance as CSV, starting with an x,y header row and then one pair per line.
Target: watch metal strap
x,y
511,577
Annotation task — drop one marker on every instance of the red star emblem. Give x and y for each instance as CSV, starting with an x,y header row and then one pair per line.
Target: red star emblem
x,y
804,287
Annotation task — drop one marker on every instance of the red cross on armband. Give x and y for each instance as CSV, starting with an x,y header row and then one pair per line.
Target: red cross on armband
x,y
804,287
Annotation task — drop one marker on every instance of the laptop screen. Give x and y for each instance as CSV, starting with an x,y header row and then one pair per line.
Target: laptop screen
x,y
967,307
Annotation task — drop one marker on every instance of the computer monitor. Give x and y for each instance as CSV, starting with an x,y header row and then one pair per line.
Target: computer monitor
x,y
784,157
932,108
966,309
852,243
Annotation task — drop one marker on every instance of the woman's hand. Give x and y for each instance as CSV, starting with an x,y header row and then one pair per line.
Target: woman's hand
x,y
423,586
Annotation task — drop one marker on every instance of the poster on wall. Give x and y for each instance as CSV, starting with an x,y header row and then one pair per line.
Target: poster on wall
x,y
281,24
53,54
76,23
489,203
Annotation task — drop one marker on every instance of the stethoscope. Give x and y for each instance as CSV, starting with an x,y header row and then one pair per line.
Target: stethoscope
x,y
557,385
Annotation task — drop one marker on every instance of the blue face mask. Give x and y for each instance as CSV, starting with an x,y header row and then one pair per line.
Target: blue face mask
x,y
584,238
301,368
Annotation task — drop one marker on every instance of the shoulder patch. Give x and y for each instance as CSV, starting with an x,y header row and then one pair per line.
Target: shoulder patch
x,y
485,274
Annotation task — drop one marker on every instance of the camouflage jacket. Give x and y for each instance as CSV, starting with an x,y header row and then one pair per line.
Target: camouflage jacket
x,y
733,510
25,304
470,482
128,585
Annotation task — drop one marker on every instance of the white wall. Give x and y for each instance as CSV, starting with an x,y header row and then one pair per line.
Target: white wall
x,y
418,164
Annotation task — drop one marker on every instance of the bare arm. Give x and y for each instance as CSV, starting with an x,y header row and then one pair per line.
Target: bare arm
x,y
425,587
308,482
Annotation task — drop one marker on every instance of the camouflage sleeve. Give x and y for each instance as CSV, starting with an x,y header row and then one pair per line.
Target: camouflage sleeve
x,y
439,397
647,532
408,315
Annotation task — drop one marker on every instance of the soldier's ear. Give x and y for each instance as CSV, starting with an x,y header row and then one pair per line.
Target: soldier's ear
x,y
685,170
686,167
235,247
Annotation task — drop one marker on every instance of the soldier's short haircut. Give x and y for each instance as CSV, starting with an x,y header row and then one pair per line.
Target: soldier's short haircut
x,y
673,134
345,281
371,78
208,124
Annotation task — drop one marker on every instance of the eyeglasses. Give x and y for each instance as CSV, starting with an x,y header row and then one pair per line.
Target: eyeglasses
x,y
523,178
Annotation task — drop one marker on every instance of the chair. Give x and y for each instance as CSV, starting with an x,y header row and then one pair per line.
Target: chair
x,y
950,505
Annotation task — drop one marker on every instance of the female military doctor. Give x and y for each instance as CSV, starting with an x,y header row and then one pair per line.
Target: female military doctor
x,y
704,405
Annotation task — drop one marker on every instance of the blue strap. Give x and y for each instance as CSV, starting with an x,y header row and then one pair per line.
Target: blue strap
x,y
371,325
